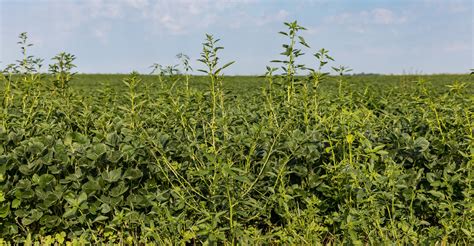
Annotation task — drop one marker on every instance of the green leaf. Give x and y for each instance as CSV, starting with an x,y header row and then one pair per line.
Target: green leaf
x,y
223,67
4,210
91,186
27,169
421,144
436,194
114,156
96,151
467,232
424,222
100,218
50,199
132,173
46,180
35,215
79,138
100,149
112,139
35,147
118,190
50,221
382,152
82,198
303,42
105,208
70,212
112,176
16,203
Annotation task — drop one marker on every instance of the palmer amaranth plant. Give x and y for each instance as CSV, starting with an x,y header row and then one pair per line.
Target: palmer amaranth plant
x,y
299,157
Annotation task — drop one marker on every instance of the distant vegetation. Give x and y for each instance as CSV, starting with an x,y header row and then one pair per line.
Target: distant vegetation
x,y
171,158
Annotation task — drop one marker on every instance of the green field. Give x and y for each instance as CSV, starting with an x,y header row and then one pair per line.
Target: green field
x,y
242,84
174,158
388,159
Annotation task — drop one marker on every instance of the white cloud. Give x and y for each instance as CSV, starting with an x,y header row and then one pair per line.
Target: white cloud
x,y
386,17
458,47
171,17
138,4
101,32
457,8
161,16
363,21
179,16
102,8
183,16
279,16
380,16
342,18
314,30
451,6
358,29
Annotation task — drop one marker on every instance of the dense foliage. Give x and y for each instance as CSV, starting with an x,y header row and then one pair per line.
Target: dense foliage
x,y
172,158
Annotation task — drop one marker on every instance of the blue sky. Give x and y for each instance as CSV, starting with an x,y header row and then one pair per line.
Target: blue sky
x,y
118,36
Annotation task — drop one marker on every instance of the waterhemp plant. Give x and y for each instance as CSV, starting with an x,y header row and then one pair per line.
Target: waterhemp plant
x,y
318,75
292,52
186,68
341,70
209,58
61,70
28,64
135,99
160,71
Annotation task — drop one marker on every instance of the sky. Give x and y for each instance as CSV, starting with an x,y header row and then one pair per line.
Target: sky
x,y
121,36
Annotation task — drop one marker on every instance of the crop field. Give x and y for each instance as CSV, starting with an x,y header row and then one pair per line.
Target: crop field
x,y
293,157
